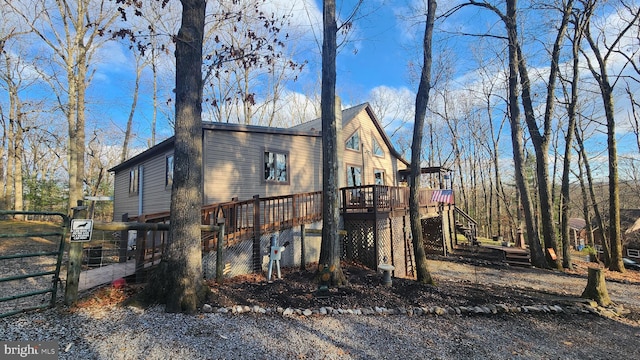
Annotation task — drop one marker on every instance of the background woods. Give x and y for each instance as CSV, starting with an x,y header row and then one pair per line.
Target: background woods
x,y
534,106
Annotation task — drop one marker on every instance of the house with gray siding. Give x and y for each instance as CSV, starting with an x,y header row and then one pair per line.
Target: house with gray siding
x,y
241,161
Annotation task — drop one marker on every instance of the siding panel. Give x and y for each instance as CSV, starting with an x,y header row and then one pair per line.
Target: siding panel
x,y
234,168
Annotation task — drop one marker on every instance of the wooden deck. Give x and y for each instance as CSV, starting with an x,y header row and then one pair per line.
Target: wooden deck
x,y
248,220
381,198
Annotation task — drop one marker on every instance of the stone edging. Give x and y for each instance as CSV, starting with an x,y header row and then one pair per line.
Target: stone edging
x,y
584,307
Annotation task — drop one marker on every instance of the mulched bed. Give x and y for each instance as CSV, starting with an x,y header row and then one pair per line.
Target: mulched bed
x,y
299,289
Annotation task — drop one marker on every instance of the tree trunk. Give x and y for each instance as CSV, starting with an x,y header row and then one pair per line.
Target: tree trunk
x,y
179,282
541,141
154,116
565,200
80,136
601,75
614,190
11,152
585,204
537,256
596,287
422,100
4,198
330,246
592,195
18,200
134,103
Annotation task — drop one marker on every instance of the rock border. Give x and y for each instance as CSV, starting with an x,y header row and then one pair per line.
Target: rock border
x,y
582,307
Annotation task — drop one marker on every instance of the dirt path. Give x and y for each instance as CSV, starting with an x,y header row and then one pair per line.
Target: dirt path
x,y
625,291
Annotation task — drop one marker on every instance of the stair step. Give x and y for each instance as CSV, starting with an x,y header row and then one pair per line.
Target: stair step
x,y
519,263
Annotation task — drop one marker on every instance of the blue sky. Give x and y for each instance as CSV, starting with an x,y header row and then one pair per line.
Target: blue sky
x,y
385,38
375,54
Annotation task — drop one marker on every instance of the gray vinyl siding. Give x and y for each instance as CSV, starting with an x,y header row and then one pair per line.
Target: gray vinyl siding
x,y
234,164
122,201
155,196
233,157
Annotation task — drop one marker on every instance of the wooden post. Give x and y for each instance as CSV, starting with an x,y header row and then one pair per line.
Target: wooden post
x,y
257,254
220,249
141,250
391,261
75,261
303,259
124,241
596,287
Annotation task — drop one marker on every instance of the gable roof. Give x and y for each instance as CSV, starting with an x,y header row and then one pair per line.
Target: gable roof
x,y
350,114
630,219
309,128
577,223
149,153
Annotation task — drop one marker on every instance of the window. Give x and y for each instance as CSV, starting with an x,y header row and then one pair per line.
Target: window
x,y
168,178
276,167
354,176
378,176
133,181
377,149
353,142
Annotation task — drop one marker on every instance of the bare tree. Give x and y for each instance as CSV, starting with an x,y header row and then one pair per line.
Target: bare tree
x,y
607,83
178,281
16,77
246,62
498,198
141,63
572,103
330,246
541,140
71,30
422,101
510,20
599,221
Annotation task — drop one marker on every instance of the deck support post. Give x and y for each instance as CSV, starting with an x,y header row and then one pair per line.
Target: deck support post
x,y
303,259
257,258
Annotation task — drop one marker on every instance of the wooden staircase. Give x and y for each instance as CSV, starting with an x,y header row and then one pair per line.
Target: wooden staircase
x,y
493,253
470,230
517,257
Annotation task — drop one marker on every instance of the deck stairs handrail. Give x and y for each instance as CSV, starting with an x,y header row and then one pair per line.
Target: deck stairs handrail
x,y
470,230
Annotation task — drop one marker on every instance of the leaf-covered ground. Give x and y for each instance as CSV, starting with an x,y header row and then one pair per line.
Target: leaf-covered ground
x,y
459,282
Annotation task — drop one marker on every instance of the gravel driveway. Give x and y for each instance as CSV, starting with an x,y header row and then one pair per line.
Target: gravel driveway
x,y
537,279
117,332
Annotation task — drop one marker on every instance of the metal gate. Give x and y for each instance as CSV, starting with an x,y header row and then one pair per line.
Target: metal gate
x,y
30,259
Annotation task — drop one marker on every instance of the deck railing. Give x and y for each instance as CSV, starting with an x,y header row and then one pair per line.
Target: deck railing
x,y
250,219
270,214
379,198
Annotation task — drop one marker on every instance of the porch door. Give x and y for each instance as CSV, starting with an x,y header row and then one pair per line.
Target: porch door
x,y
354,176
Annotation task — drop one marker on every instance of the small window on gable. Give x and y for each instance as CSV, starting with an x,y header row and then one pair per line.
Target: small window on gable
x,y
133,181
377,149
276,167
168,178
353,142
